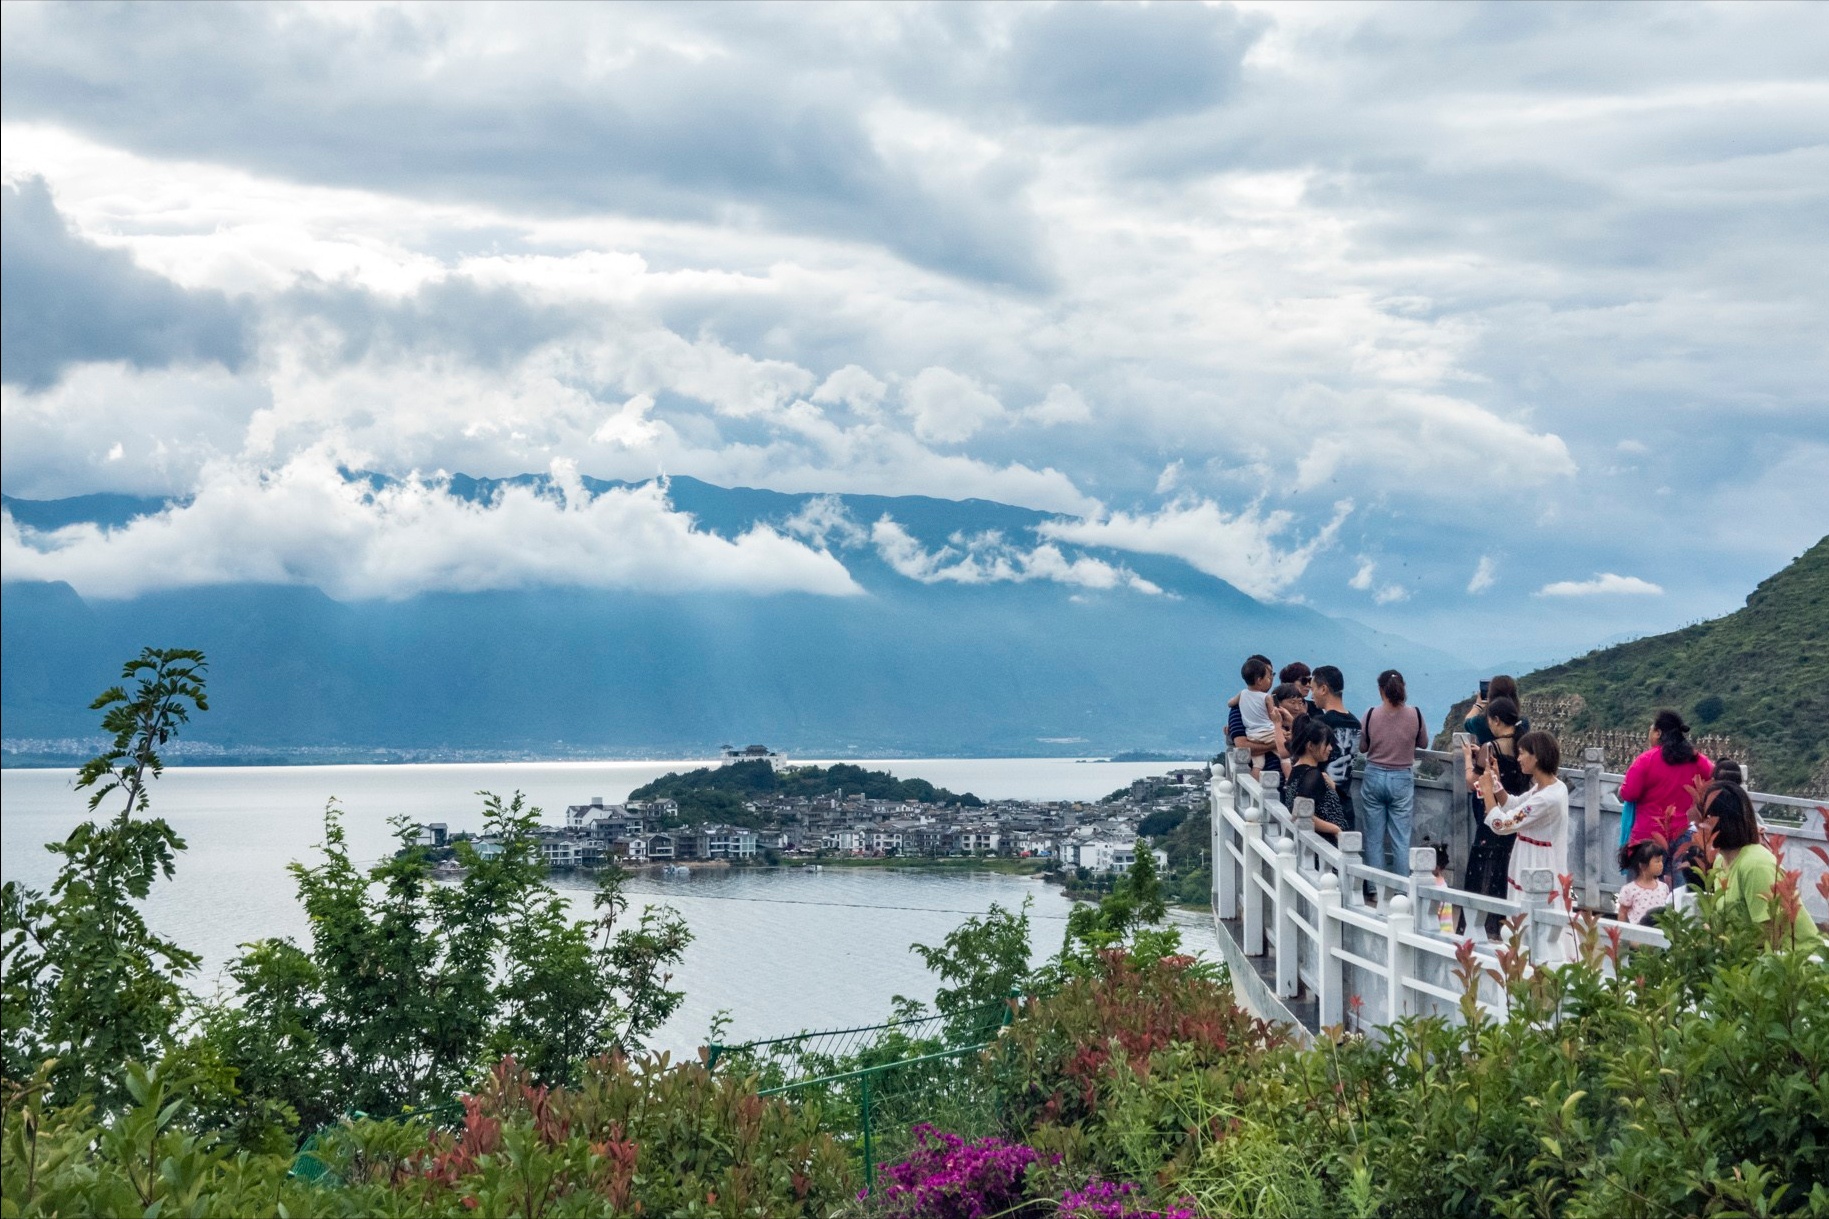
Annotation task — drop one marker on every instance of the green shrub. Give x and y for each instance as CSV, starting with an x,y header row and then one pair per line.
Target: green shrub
x,y
634,1137
1693,1081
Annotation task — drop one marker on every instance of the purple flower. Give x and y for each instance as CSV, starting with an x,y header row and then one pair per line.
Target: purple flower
x,y
1106,1200
949,1178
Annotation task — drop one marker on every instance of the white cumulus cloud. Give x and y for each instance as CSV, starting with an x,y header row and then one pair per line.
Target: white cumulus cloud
x,y
304,523
1246,548
1062,405
851,386
988,558
1603,584
1485,575
947,407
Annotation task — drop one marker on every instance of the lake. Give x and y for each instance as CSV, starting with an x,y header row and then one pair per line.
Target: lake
x,y
781,948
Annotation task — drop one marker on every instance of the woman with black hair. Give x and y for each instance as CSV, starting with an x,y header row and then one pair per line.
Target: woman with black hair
x,y
1490,856
1311,746
1748,871
1539,818
1393,732
1660,781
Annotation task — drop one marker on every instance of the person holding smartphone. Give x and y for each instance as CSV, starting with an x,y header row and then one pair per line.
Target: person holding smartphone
x,y
1502,686
1489,858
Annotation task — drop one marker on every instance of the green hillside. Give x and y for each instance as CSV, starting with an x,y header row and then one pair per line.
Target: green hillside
x,y
1760,675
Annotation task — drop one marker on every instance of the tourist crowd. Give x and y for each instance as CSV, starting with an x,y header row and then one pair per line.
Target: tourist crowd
x,y
1678,807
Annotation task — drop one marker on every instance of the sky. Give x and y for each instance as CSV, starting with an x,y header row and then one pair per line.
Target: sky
x,y
1502,327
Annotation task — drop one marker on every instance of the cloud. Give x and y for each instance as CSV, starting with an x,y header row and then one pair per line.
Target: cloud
x,y
66,300
1602,585
1171,477
853,387
305,523
550,111
827,523
947,407
1365,577
1062,405
1485,575
989,559
1244,548
1312,253
1117,64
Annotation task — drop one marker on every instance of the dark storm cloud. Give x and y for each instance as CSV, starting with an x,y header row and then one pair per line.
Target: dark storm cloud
x,y
409,106
65,300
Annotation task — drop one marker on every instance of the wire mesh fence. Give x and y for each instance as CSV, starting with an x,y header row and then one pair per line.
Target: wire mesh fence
x,y
875,1083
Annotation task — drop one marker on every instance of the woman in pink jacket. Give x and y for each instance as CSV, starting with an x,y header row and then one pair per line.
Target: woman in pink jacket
x,y
1659,781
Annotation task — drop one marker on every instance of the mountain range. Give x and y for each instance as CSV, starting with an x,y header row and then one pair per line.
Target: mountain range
x,y
923,663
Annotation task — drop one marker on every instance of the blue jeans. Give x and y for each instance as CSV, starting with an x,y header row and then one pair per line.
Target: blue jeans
x,y
1387,796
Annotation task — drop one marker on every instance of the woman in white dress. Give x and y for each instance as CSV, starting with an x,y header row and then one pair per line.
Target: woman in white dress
x,y
1538,818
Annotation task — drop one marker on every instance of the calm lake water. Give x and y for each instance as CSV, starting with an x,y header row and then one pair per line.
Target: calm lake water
x,y
782,949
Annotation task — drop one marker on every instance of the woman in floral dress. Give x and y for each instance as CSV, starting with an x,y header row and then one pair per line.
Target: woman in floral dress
x,y
1538,819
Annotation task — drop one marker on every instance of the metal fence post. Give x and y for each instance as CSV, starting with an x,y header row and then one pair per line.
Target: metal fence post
x,y
1287,982
1592,849
1250,890
869,1139
1397,921
1332,973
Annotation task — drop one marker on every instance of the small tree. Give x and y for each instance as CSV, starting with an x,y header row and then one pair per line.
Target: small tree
x,y
1127,917
411,986
86,982
986,959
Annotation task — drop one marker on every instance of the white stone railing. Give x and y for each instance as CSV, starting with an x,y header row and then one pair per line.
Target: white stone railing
x,y
1299,902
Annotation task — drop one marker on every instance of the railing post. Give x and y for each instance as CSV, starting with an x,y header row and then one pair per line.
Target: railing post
x,y
1460,833
1250,891
1350,845
1396,957
1225,879
1287,980
1539,888
1422,872
1303,814
869,1140
1331,973
1592,850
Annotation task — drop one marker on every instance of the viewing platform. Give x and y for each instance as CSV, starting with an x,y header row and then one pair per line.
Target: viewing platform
x,y
1307,948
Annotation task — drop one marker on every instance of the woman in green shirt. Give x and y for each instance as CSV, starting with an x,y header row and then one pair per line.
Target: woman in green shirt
x,y
1751,871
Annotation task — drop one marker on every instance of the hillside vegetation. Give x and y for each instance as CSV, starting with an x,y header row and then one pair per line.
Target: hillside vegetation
x,y
718,792
1759,675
